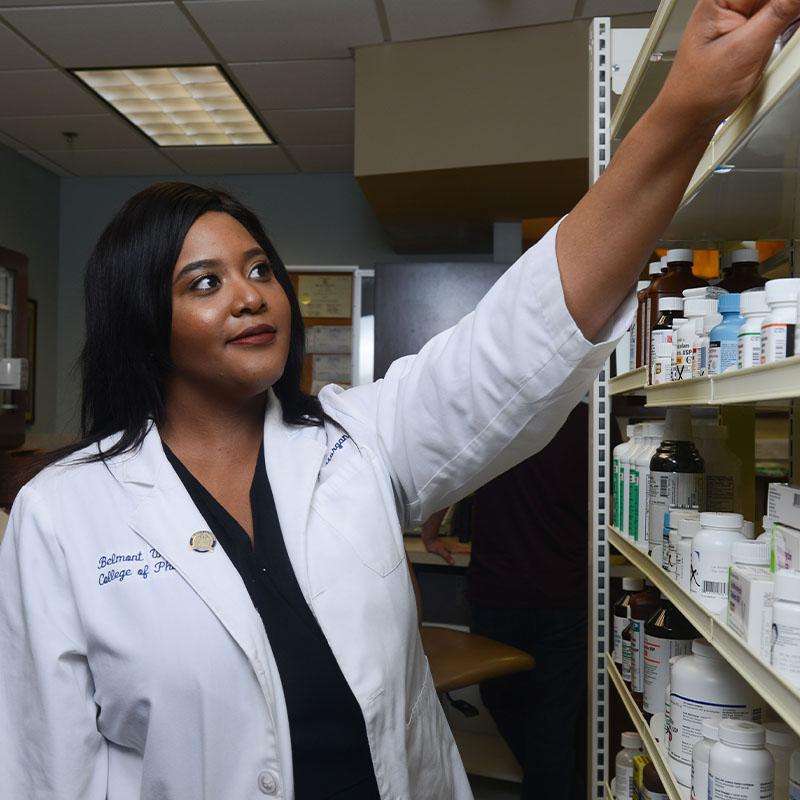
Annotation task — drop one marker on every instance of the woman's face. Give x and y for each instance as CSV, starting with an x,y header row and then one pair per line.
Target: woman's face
x,y
231,319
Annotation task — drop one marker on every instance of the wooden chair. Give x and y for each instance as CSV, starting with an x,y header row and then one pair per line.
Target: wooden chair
x,y
458,659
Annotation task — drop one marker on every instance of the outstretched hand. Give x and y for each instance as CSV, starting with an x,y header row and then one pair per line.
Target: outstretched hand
x,y
723,51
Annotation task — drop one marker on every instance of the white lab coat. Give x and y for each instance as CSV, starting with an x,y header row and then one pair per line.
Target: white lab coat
x,y
132,666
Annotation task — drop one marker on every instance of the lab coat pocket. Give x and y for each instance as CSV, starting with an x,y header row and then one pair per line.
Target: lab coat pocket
x,y
359,504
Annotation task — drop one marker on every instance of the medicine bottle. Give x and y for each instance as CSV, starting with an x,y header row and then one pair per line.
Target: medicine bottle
x,y
619,492
625,477
739,766
643,606
794,776
786,626
631,746
676,473
743,272
687,530
694,310
712,558
700,753
669,309
641,325
778,327
667,633
652,787
723,468
753,307
661,371
628,345
677,323
676,515
626,655
700,356
723,340
750,553
675,278
621,613
781,742
652,435
704,686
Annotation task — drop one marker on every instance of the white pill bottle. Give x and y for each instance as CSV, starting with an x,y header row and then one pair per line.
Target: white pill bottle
x,y
739,766
785,651
700,755
703,686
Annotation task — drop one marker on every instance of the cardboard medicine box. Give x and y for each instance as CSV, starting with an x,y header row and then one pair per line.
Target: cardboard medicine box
x,y
785,548
783,504
750,598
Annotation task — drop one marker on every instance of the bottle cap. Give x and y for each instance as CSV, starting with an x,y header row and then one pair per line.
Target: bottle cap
x,y
678,321
767,523
654,430
728,303
699,306
710,729
631,739
711,321
688,528
706,292
748,529
721,519
745,257
749,552
629,430
781,735
670,303
642,285
782,290
740,731
787,585
683,513
655,268
680,256
700,647
753,301
632,584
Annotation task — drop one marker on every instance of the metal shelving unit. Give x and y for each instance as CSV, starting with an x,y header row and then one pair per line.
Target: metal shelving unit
x,y
747,186
779,694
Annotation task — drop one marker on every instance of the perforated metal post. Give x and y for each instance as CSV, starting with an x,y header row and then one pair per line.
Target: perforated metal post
x,y
599,444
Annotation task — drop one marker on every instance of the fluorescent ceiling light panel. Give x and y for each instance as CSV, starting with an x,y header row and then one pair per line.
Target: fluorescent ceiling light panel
x,y
178,106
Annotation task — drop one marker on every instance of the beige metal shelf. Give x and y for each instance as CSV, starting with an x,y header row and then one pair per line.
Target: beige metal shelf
x,y
762,384
652,65
633,381
674,790
782,697
609,793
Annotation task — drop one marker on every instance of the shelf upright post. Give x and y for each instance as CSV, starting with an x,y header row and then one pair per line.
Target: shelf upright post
x,y
599,446
794,406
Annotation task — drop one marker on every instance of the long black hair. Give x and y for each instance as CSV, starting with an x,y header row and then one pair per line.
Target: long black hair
x,y
127,290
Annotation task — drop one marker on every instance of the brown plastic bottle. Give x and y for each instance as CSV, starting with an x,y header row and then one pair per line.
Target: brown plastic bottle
x,y
677,277
743,272
626,655
652,785
642,328
643,605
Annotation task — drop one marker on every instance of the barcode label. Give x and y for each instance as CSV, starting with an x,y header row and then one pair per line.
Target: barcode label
x,y
663,486
715,587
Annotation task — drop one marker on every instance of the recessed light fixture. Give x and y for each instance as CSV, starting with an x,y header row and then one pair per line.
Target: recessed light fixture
x,y
178,106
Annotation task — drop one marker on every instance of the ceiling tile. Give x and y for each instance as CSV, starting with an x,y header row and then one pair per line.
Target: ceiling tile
x,y
95,132
125,34
325,83
334,158
39,159
44,91
260,30
93,163
231,160
316,126
610,8
423,19
17,54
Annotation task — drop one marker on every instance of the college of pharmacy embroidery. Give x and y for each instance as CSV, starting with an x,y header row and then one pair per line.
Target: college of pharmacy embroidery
x,y
202,542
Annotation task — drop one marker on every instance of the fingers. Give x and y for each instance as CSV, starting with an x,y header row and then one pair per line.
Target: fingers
x,y
774,17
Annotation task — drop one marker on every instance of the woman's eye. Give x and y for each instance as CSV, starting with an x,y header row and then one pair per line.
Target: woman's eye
x,y
261,270
206,282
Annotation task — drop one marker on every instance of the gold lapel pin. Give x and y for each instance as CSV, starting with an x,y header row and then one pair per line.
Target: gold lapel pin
x,y
202,542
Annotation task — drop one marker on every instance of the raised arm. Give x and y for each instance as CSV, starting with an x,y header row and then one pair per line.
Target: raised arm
x,y
611,232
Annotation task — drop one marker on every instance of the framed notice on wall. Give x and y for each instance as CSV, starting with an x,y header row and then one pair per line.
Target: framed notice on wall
x,y
325,296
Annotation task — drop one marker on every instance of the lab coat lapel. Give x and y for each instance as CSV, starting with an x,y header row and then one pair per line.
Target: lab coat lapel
x,y
166,520
293,459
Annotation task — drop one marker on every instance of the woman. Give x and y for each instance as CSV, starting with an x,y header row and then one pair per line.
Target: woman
x,y
209,597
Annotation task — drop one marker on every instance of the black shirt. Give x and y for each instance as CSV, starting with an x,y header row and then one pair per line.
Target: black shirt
x,y
330,750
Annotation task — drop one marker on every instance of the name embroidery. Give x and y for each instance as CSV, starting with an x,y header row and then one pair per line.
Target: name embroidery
x,y
337,446
155,564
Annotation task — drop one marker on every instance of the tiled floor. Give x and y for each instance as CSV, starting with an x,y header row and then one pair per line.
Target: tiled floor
x,y
491,789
